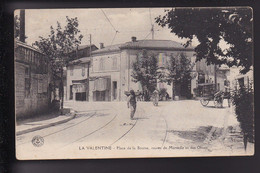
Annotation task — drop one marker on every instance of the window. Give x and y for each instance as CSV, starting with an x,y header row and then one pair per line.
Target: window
x,y
83,70
71,71
27,87
114,65
101,64
26,71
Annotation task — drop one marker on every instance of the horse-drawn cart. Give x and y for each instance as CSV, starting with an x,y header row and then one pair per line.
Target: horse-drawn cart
x,y
207,92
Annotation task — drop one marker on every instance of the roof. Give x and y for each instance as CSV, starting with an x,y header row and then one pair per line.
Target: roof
x,y
81,60
85,46
145,44
111,48
17,42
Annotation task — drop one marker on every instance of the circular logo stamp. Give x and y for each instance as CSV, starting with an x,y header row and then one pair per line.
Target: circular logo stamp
x,y
37,141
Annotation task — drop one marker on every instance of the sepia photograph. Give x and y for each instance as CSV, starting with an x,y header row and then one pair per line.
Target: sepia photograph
x,y
101,83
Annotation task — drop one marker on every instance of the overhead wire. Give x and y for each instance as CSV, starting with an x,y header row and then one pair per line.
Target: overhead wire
x,y
111,25
109,20
113,39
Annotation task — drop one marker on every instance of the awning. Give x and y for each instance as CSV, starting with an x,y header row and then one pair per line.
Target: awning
x,y
79,88
100,84
79,81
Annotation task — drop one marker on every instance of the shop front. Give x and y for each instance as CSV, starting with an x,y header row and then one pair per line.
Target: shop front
x,y
101,88
79,90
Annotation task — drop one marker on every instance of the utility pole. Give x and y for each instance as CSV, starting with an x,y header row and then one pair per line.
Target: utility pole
x,y
22,26
88,67
215,77
90,44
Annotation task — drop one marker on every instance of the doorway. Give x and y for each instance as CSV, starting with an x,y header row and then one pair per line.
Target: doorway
x,y
114,91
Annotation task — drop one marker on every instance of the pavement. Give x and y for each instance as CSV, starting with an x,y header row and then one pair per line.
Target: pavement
x,y
31,126
178,125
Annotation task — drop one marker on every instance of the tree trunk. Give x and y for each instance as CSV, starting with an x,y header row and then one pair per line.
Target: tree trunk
x,y
173,90
62,89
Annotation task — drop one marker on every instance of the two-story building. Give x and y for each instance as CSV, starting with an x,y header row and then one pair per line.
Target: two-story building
x,y
110,68
76,56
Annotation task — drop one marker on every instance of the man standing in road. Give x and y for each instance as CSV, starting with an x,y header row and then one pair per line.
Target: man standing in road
x,y
131,102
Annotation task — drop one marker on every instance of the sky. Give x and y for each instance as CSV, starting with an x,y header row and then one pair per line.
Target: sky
x,y
128,21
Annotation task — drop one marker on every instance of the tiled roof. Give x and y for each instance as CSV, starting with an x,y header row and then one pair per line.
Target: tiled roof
x,y
81,60
144,44
85,46
111,48
17,42
153,44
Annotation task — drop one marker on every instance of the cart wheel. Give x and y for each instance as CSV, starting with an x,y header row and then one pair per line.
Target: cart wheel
x,y
218,103
204,102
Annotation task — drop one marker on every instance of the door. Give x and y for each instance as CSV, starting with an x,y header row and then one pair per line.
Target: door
x,y
114,93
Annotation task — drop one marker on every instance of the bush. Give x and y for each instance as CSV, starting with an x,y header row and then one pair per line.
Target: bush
x,y
244,109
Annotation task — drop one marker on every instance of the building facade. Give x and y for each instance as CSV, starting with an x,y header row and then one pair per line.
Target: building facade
x,y
75,55
110,68
32,80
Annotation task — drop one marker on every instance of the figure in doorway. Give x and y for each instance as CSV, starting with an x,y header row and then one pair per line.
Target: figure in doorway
x,y
131,103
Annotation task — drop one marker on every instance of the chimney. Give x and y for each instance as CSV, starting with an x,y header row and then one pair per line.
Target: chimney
x,y
101,45
22,26
133,39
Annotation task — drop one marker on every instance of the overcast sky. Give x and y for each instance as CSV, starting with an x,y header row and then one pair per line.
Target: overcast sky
x,y
128,21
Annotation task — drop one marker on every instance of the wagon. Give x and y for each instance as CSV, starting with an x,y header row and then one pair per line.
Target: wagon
x,y
207,93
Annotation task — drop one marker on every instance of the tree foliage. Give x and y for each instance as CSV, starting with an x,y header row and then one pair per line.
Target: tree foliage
x,y
145,71
210,26
178,70
243,99
60,42
57,46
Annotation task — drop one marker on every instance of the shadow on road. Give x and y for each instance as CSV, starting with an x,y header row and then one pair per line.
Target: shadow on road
x,y
199,134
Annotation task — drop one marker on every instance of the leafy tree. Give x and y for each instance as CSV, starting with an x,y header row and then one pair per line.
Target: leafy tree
x,y
145,71
243,99
58,45
210,26
178,71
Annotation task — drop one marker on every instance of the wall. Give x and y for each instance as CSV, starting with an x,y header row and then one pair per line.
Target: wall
x,y
32,79
37,100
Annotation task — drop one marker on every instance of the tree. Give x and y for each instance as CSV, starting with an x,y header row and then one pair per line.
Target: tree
x,y
211,27
178,71
145,71
232,26
58,45
243,99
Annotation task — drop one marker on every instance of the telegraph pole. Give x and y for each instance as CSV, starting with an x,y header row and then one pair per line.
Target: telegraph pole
x,y
215,77
90,44
88,67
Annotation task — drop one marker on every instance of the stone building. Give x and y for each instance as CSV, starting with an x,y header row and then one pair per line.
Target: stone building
x,y
32,80
75,56
106,75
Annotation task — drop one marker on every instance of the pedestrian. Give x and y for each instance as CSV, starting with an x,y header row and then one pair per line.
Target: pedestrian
x,y
155,97
131,103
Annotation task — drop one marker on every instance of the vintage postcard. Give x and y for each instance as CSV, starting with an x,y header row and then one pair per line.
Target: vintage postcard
x,y
134,82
